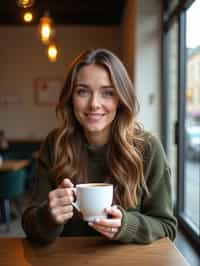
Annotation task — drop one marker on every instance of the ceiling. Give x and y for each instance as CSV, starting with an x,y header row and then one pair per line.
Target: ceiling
x,y
86,12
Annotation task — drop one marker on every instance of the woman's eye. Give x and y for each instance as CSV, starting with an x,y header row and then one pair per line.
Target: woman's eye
x,y
108,93
82,92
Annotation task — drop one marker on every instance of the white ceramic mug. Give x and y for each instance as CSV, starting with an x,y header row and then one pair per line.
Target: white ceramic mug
x,y
92,199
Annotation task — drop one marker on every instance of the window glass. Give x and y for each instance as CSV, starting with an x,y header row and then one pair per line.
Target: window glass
x,y
192,119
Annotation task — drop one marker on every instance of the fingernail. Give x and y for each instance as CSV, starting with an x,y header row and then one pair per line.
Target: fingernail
x,y
90,223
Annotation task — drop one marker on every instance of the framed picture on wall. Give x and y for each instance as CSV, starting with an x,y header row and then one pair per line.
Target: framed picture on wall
x,y
47,90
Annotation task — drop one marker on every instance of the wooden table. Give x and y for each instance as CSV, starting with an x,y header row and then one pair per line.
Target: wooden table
x,y
90,251
13,165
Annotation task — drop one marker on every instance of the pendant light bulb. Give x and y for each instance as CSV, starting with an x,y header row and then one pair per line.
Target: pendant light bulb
x,y
28,17
46,28
25,3
52,52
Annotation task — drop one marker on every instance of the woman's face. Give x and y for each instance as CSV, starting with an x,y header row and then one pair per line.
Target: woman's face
x,y
95,102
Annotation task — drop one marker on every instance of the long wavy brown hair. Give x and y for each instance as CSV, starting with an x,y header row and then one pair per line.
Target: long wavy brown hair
x,y
124,155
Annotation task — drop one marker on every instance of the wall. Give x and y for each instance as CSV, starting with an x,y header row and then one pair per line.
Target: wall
x,y
23,60
141,53
137,41
148,62
128,29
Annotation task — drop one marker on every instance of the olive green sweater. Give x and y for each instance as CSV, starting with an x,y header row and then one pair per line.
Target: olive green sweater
x,y
151,219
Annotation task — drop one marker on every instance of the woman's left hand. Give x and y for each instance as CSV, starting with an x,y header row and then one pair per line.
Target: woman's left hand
x,y
108,227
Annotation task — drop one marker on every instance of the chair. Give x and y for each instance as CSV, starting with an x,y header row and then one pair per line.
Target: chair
x,y
12,185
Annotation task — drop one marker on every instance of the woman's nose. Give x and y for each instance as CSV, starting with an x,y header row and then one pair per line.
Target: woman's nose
x,y
94,101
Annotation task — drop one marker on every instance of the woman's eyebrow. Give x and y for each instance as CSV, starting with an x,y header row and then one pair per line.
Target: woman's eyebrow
x,y
107,86
81,85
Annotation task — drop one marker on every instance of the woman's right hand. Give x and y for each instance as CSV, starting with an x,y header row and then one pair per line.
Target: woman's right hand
x,y
60,202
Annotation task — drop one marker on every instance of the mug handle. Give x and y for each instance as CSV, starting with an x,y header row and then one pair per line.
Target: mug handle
x,y
75,203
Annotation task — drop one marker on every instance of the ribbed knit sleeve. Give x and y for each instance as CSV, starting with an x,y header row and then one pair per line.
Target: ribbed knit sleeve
x,y
153,216
36,220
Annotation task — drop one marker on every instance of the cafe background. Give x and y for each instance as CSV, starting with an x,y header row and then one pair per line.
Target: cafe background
x,y
150,38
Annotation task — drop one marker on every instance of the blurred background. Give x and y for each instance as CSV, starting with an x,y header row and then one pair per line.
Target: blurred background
x,y
159,43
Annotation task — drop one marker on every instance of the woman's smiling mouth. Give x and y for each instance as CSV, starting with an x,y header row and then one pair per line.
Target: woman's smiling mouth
x,y
93,117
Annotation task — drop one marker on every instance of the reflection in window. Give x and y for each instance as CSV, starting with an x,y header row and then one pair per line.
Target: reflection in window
x,y
192,120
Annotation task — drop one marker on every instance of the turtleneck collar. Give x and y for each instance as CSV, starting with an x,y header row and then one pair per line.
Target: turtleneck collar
x,y
96,152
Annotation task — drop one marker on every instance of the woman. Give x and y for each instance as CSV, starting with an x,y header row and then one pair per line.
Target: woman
x,y
100,140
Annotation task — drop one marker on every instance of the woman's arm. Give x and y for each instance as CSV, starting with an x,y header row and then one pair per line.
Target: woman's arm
x,y
37,221
153,216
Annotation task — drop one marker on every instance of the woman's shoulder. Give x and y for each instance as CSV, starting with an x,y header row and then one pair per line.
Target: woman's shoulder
x,y
51,136
150,136
49,141
47,148
152,143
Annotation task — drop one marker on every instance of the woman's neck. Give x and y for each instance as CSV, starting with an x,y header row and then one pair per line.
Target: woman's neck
x,y
97,140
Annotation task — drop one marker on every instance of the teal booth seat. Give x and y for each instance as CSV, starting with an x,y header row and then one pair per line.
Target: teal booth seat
x,y
22,155
12,186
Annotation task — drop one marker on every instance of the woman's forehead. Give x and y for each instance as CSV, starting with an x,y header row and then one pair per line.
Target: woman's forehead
x,y
93,73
